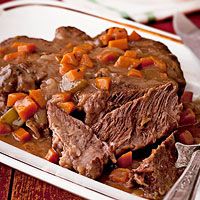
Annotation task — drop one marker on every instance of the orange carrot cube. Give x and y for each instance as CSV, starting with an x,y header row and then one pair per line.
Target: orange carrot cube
x,y
4,128
75,74
38,97
68,107
69,58
52,156
22,135
135,73
13,97
103,83
27,48
25,108
86,61
120,43
134,36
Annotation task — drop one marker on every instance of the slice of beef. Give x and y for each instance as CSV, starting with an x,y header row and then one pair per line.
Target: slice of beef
x,y
157,173
82,150
142,121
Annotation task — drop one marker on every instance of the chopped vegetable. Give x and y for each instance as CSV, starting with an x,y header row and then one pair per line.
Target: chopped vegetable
x,y
117,33
13,97
103,83
187,97
105,39
27,48
131,54
160,64
38,97
26,108
52,156
68,107
62,97
22,135
78,52
127,62
120,43
4,128
125,160
9,117
134,36
13,56
65,67
186,138
75,74
74,86
187,117
108,57
119,175
135,72
146,61
69,58
86,61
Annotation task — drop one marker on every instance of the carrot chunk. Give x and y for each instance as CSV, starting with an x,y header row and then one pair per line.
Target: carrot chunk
x,y
186,138
75,74
125,160
120,175
146,61
69,58
134,36
68,107
135,72
131,54
13,97
127,62
52,156
13,56
65,67
103,83
120,43
117,33
78,52
86,61
25,108
27,48
22,135
62,97
187,97
108,57
38,97
4,128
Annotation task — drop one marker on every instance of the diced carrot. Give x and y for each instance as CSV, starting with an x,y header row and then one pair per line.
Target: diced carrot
x,y
62,96
68,107
27,48
120,43
135,72
4,128
22,135
13,56
126,62
13,97
186,138
78,52
38,97
75,74
134,36
131,54
69,58
119,175
187,117
108,57
65,67
187,97
16,44
52,156
105,39
86,46
25,108
86,61
117,33
146,61
103,83
125,160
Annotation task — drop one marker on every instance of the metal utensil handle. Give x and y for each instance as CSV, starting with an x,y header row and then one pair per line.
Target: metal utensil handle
x,y
185,187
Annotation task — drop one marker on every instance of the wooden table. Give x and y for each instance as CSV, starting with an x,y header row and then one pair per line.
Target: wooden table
x,y
16,185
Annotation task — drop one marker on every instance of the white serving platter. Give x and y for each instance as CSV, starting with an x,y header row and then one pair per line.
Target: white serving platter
x,y
40,19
